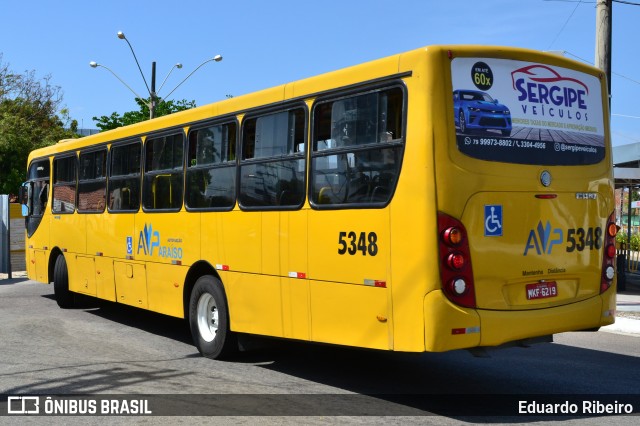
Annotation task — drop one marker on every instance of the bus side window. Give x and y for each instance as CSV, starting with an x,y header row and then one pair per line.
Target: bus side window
x,y
211,167
124,178
162,186
92,181
272,171
64,184
370,127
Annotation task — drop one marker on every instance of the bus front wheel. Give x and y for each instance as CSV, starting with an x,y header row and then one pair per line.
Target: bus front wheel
x,y
64,297
209,319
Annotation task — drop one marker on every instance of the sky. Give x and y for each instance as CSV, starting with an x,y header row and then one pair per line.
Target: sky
x,y
266,43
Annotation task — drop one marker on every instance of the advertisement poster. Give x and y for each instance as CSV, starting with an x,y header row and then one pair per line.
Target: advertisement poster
x,y
527,113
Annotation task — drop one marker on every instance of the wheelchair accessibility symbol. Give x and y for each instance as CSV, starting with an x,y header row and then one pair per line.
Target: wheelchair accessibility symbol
x,y
493,220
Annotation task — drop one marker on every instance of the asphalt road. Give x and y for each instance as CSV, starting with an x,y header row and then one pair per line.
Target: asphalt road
x,y
103,348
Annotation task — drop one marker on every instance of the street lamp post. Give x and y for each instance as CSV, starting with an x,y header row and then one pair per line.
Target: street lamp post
x,y
153,95
216,58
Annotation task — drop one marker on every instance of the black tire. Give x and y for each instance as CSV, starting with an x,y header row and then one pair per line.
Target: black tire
x,y
462,122
209,319
64,297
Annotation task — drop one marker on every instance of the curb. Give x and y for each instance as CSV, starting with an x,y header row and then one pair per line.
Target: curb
x,y
623,325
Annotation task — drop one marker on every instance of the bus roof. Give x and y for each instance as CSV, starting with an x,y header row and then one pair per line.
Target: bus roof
x,y
308,88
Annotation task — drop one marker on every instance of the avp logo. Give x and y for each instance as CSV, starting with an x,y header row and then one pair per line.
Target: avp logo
x,y
543,238
148,240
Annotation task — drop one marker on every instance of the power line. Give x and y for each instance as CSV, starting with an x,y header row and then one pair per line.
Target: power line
x,y
593,2
626,2
564,25
591,63
626,116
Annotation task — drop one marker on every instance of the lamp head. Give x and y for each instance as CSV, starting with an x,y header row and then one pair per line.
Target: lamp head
x,y
217,58
121,35
178,65
93,64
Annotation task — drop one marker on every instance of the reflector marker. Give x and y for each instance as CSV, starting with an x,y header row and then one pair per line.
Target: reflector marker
x,y
468,330
129,257
300,275
99,253
375,283
176,262
222,267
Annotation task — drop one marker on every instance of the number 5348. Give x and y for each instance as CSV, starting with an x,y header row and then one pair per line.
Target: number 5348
x,y
352,243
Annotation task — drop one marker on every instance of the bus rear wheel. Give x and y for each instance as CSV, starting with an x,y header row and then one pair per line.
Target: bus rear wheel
x,y
64,297
209,319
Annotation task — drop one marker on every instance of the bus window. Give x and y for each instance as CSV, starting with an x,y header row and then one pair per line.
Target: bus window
x,y
92,181
39,175
64,184
211,168
163,173
273,168
370,127
124,178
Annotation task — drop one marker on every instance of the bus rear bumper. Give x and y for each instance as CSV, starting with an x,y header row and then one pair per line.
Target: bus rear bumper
x,y
499,327
468,328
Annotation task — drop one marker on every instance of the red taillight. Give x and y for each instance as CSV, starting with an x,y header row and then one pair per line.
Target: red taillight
x,y
455,261
455,267
609,256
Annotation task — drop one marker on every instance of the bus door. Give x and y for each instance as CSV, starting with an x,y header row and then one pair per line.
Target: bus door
x,y
34,197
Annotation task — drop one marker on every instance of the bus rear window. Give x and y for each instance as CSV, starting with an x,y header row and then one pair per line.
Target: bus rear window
x,y
527,113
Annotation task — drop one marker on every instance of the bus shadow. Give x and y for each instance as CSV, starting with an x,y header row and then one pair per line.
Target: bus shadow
x,y
454,384
12,281
147,321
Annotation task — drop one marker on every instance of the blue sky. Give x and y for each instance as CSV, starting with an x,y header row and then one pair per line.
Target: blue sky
x,y
267,43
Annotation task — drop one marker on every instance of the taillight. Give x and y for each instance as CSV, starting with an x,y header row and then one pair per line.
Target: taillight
x,y
455,261
609,255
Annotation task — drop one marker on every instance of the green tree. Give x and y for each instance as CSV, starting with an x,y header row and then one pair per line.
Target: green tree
x,y
28,120
162,108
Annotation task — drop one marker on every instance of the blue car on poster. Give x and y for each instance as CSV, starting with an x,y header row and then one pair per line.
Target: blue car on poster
x,y
477,111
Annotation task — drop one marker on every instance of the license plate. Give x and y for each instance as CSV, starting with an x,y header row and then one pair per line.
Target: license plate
x,y
542,290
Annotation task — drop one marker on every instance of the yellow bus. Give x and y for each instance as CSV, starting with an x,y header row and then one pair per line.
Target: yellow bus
x,y
443,198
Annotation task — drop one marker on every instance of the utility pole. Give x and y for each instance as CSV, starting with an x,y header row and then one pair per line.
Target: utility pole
x,y
152,93
603,40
